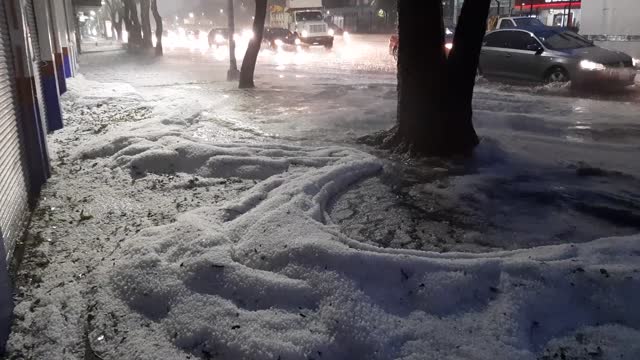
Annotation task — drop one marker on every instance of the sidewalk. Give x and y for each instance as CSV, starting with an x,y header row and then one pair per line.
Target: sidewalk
x,y
101,45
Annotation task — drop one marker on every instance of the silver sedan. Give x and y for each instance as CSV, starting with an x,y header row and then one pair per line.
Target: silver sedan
x,y
553,55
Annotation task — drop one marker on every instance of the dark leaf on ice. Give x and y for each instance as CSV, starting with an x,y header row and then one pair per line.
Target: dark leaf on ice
x,y
405,276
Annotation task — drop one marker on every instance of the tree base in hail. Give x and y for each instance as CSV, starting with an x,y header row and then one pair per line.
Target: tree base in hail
x,y
233,75
435,89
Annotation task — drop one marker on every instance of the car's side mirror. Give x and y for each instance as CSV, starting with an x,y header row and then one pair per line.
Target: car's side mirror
x,y
535,47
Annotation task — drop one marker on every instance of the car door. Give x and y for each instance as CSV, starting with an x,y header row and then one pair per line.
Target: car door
x,y
524,61
493,57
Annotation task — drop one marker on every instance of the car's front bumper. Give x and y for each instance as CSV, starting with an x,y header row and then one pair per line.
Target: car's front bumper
x,y
610,76
317,40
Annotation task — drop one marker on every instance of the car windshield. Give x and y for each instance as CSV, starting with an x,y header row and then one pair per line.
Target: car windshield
x,y
564,40
523,22
309,16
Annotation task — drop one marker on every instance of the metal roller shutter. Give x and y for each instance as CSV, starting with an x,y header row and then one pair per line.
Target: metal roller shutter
x,y
13,172
37,59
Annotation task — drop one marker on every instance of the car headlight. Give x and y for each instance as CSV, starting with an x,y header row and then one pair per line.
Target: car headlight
x,y
331,32
636,62
305,33
248,34
298,42
449,46
279,42
219,38
590,65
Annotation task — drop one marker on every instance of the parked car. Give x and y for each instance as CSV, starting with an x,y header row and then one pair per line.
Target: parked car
x,y
394,43
278,38
553,55
218,37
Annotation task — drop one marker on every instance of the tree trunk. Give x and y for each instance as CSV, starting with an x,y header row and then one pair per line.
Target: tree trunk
x,y
435,93
421,61
147,41
250,58
132,24
159,30
233,74
118,28
78,34
118,21
462,69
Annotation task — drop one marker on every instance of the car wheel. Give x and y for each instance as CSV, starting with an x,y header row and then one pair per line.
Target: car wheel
x,y
557,75
395,53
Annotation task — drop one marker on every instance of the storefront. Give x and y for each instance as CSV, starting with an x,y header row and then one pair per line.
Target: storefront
x,y
565,13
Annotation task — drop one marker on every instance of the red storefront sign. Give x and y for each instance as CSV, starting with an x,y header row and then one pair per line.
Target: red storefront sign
x,y
547,4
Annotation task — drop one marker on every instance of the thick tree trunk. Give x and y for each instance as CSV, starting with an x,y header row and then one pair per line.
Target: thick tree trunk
x,y
462,69
147,41
250,58
159,29
118,28
435,93
421,75
118,21
233,74
132,24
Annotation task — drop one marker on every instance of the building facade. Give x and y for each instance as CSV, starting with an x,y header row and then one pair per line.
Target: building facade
x,y
36,57
564,13
613,23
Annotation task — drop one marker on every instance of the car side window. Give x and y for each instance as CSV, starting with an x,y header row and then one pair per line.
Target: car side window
x,y
519,40
507,24
497,39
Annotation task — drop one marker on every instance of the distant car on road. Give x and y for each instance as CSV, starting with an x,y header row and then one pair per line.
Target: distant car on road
x,y
277,38
553,55
218,37
394,43
337,30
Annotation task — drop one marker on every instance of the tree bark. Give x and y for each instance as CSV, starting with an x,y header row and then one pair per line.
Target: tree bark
x,y
159,29
249,62
147,41
462,69
132,24
435,93
233,74
421,75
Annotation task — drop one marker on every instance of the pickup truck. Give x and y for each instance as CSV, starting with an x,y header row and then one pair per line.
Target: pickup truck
x,y
514,22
